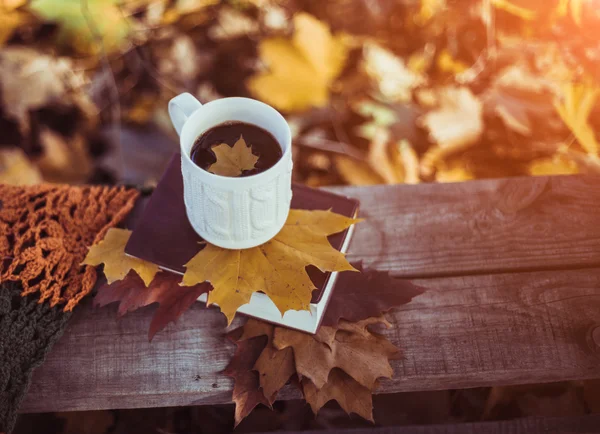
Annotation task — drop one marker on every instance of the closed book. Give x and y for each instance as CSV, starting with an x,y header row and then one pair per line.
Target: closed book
x,y
163,235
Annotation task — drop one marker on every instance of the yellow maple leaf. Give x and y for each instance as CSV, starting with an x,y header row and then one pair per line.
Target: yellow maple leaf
x,y
233,160
578,102
111,252
277,268
17,169
301,69
574,6
556,165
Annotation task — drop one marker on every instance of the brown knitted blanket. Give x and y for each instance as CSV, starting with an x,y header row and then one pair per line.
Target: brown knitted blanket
x,y
45,231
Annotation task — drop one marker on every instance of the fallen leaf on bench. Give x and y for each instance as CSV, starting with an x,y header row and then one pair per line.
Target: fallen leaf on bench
x,y
246,390
340,387
338,363
368,294
277,268
360,353
131,293
233,160
111,252
275,367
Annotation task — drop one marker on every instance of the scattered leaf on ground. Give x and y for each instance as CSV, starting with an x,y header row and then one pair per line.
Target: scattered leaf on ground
x,y
111,252
555,165
514,9
452,171
16,169
277,268
131,293
10,20
455,125
50,81
517,96
233,23
355,172
349,393
578,102
233,160
300,71
394,80
89,30
368,294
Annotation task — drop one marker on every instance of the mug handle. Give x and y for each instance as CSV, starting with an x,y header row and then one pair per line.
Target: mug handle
x,y
181,108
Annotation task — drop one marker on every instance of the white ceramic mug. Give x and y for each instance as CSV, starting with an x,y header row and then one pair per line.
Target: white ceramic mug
x,y
233,213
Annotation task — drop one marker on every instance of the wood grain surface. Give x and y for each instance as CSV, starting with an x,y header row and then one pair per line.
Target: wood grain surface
x,y
466,331
516,224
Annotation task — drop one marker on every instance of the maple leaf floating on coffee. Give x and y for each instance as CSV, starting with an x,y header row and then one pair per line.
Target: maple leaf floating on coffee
x,y
131,293
111,252
277,268
344,363
233,160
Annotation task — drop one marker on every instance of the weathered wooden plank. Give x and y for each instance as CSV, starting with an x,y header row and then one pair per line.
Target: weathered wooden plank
x,y
464,332
537,425
536,223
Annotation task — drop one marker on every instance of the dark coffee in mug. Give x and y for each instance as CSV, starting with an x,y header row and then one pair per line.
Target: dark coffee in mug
x,y
263,145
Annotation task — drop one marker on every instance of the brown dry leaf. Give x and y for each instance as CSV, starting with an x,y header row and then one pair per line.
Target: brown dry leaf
x,y
454,126
394,80
300,70
275,367
64,161
111,252
359,355
48,80
349,393
517,95
132,293
363,356
11,20
232,23
246,389
277,268
367,295
16,169
233,160
578,101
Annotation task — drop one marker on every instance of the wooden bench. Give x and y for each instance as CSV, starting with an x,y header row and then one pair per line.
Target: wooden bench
x,y
513,272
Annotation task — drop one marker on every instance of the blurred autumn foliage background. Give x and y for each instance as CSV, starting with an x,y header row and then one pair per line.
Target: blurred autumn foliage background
x,y
376,91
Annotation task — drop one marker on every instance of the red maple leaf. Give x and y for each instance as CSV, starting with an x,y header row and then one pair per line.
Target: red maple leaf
x,y
370,293
132,293
247,392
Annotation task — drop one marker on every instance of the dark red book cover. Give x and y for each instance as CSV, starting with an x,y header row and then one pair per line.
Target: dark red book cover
x,y
164,236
